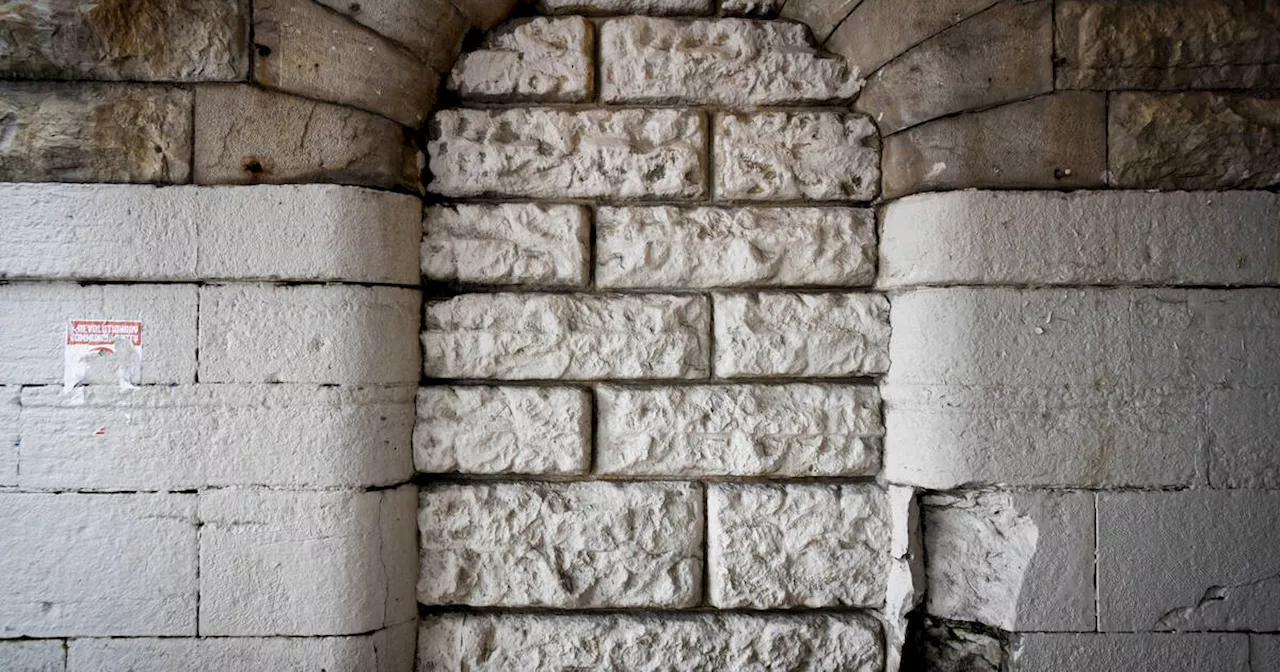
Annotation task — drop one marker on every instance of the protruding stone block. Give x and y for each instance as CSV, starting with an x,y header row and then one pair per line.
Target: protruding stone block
x,y
566,336
510,243
783,334
739,430
877,31
753,8
540,59
714,247
94,132
787,156
1202,652
595,544
659,7
792,546
735,62
503,430
528,153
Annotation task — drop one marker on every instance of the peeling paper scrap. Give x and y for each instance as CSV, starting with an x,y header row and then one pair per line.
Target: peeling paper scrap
x,y
102,345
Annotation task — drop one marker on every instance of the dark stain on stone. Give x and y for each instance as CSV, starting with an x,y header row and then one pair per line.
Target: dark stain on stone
x,y
256,167
132,28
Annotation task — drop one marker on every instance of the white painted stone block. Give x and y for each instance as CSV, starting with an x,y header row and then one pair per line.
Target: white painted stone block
x,y
571,545
1244,436
192,436
1101,237
558,336
219,654
510,243
796,156
98,565
637,643
304,563
33,655
715,247
539,59
1190,560
1135,652
1017,561
34,318
739,430
785,334
9,412
1264,653
308,334
503,430
661,7
547,153
792,546
734,62
396,646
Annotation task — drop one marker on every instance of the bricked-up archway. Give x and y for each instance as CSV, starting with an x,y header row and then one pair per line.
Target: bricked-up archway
x,y
263,500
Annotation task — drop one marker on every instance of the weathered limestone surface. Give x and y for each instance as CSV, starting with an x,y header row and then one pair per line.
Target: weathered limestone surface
x,y
309,50
735,62
341,334
247,135
756,8
1056,141
543,336
1093,238
622,643
284,654
98,565
306,552
503,430
94,132
33,655
1196,140
797,546
539,59
998,56
143,40
773,156
431,29
784,334
1168,652
34,319
509,243
879,30
660,7
715,247
1188,561
822,16
545,153
572,545
739,430
193,436
1264,653
1013,560
1242,429
1174,44
9,410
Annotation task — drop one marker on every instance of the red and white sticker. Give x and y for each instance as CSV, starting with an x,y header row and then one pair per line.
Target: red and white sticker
x,y
103,346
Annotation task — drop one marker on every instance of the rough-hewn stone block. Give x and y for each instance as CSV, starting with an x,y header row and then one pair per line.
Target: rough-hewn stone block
x,y
247,135
1011,560
1001,55
503,430
9,413
659,7
785,156
322,563
431,29
33,655
1056,141
715,247
531,336
146,40
754,8
34,318
94,132
1173,44
511,243
631,643
822,16
1093,238
545,153
579,545
308,334
783,334
309,50
1195,141
212,654
98,565
539,59
877,31
739,430
1191,560
193,436
735,62
797,546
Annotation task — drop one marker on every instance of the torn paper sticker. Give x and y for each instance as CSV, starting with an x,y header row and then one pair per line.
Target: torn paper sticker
x,y
102,350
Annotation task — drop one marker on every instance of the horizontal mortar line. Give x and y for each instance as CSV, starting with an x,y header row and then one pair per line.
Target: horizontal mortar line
x,y
1103,633
654,383
837,105
72,638
1091,489
439,290
216,384
423,479
899,289
206,282
203,489
690,204
426,610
